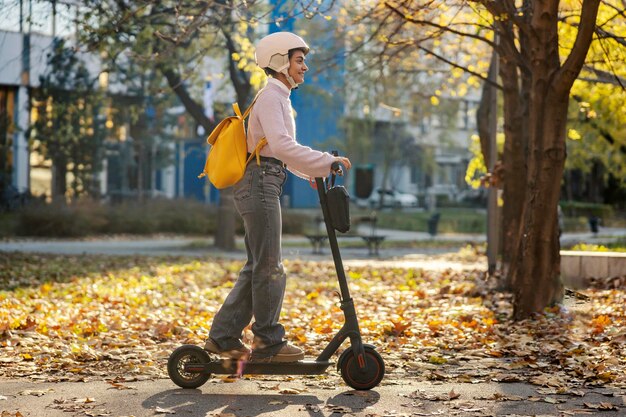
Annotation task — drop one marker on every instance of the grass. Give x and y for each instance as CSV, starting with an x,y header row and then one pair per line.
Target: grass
x,y
452,220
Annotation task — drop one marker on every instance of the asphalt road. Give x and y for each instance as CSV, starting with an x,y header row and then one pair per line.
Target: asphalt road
x,y
303,396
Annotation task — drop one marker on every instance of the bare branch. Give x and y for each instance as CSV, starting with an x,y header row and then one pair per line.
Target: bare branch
x,y
455,65
605,77
440,27
506,10
610,64
574,62
619,12
603,34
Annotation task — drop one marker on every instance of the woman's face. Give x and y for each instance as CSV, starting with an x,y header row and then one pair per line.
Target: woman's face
x,y
297,66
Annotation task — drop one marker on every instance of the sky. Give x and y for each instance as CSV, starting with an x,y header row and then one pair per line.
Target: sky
x,y
41,16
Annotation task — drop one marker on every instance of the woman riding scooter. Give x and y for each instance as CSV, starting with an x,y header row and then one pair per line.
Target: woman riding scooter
x,y
260,287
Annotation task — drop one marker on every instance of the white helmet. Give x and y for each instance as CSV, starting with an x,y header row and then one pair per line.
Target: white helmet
x,y
273,52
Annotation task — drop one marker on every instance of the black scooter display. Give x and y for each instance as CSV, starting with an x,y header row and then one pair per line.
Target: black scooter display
x,y
361,367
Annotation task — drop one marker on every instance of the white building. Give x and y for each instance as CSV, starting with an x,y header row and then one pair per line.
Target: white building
x,y
24,49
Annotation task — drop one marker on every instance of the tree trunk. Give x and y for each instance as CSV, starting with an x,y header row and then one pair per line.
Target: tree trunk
x,y
482,116
140,169
536,275
514,165
225,230
193,108
536,272
59,179
224,237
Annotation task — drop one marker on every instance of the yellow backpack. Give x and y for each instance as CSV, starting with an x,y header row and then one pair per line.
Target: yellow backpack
x,y
227,159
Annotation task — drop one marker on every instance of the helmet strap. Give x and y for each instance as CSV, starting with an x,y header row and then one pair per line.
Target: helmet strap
x,y
290,79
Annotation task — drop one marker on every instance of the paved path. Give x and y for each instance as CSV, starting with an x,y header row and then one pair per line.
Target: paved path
x,y
299,397
293,246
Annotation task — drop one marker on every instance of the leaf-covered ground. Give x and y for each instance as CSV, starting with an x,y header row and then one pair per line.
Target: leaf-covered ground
x,y
96,317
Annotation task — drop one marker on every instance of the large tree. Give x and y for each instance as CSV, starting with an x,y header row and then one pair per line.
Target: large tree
x,y
539,64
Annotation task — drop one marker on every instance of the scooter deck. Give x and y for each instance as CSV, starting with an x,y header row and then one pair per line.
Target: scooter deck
x,y
231,367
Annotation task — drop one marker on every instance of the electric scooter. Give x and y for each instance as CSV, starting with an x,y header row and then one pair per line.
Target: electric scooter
x,y
360,366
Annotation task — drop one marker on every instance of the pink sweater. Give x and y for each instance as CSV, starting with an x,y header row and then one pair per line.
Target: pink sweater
x,y
272,117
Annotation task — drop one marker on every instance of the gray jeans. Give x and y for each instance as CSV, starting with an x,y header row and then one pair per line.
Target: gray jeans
x,y
260,288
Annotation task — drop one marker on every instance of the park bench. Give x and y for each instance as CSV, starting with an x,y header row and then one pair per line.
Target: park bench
x,y
317,237
372,239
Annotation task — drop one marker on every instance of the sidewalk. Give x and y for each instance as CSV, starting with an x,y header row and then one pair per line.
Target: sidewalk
x,y
301,397
293,246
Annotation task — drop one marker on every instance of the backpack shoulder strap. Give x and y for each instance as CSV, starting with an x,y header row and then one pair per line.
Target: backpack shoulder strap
x,y
249,109
257,151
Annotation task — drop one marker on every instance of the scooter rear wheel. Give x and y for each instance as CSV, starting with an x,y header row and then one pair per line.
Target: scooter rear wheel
x,y
362,379
182,356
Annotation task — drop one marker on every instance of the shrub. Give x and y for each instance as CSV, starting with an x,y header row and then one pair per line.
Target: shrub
x,y
295,223
133,218
8,224
618,245
60,220
583,209
161,216
185,217
84,218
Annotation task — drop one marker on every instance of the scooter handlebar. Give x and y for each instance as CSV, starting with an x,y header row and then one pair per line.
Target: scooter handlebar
x,y
336,169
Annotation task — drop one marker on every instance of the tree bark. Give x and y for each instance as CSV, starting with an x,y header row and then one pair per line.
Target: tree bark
x,y
59,179
536,273
482,116
514,164
193,108
225,230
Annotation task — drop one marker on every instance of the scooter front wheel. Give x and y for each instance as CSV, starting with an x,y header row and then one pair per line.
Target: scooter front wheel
x,y
184,355
358,378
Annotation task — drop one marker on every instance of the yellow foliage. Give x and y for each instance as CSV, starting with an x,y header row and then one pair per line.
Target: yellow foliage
x,y
599,323
573,134
123,315
437,360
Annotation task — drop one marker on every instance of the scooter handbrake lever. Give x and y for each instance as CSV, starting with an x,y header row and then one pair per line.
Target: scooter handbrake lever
x,y
336,169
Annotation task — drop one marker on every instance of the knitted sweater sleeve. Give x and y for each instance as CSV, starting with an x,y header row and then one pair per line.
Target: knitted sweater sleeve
x,y
276,122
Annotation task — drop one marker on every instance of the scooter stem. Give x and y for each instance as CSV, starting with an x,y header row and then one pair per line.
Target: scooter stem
x,y
351,324
332,239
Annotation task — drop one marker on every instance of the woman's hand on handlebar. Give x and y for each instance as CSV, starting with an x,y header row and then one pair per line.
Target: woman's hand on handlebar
x,y
339,161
